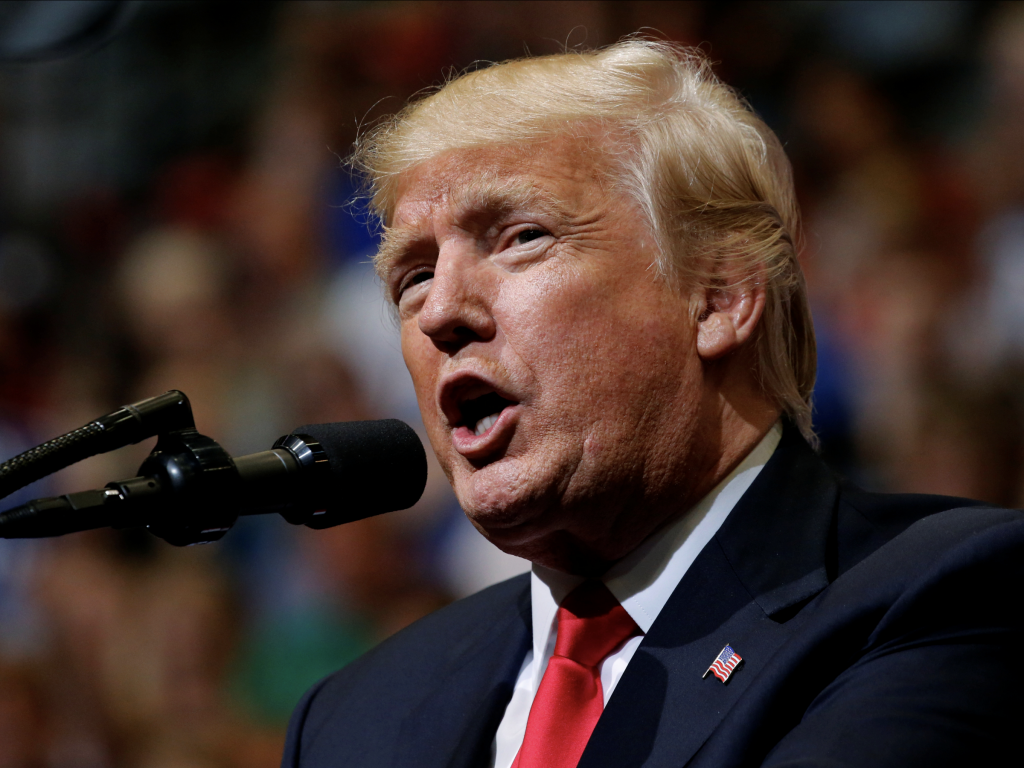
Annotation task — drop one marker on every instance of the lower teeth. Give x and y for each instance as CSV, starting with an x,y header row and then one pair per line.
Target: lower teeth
x,y
485,423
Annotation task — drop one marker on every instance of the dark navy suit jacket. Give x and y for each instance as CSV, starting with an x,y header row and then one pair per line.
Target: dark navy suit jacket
x,y
875,631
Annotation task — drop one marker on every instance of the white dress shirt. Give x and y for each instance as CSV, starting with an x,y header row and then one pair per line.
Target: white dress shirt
x,y
643,581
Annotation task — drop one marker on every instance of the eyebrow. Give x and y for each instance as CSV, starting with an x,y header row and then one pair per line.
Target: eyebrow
x,y
393,245
485,197
505,197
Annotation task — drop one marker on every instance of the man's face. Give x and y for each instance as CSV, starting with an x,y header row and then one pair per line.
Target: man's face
x,y
556,373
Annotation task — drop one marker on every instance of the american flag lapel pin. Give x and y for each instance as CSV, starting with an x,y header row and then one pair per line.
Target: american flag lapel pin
x,y
724,665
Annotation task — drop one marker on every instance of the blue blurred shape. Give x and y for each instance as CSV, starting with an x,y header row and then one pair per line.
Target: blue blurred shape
x,y
32,30
893,34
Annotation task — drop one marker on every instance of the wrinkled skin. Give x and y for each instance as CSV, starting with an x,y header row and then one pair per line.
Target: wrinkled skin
x,y
522,270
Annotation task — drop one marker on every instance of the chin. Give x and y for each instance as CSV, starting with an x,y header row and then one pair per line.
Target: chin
x,y
504,504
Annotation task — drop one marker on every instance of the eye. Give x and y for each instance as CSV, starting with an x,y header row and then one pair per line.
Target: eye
x,y
528,235
414,279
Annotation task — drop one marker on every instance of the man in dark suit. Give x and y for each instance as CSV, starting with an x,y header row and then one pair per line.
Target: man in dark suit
x,y
592,259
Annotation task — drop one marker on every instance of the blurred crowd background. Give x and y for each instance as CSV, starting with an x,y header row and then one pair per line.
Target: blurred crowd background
x,y
175,213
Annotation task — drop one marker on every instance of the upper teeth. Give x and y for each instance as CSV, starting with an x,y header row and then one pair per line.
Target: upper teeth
x,y
484,424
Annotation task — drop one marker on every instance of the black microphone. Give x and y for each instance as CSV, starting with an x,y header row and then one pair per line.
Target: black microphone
x,y
190,491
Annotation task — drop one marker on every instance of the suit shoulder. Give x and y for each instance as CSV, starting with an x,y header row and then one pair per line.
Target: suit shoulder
x,y
360,708
445,634
954,546
387,679
898,510
866,521
910,651
964,527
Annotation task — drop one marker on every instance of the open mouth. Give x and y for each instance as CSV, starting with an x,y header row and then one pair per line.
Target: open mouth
x,y
472,405
479,413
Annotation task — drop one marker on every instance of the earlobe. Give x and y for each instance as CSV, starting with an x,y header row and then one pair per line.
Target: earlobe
x,y
716,336
729,320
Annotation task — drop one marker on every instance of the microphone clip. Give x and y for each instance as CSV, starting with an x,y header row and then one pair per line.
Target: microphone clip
x,y
198,486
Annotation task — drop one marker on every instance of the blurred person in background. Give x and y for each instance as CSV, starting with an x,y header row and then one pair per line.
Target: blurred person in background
x,y
24,737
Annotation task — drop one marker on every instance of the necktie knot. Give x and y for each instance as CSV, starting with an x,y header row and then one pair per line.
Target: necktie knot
x,y
592,624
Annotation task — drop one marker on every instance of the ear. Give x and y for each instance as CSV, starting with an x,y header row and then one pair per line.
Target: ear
x,y
729,319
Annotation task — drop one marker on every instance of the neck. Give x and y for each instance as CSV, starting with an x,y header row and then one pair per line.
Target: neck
x,y
718,447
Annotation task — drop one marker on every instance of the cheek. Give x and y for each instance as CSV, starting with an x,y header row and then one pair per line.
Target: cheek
x,y
421,360
597,349
548,332
582,325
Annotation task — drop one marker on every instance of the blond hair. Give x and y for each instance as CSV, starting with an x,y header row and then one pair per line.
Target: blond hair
x,y
709,175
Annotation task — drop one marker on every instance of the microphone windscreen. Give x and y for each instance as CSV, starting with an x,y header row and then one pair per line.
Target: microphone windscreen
x,y
375,466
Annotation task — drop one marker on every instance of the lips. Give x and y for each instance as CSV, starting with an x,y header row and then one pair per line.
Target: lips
x,y
477,410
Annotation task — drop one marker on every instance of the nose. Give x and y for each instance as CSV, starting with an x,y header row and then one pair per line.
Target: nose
x,y
456,311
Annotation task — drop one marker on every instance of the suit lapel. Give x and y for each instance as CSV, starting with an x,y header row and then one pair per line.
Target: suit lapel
x,y
454,724
777,536
766,561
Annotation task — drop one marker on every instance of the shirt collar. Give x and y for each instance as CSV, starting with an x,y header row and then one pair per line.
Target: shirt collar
x,y
644,580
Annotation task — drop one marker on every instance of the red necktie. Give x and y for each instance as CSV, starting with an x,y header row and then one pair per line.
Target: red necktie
x,y
591,624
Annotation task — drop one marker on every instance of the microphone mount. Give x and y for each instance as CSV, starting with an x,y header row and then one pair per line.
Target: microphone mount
x,y
190,491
